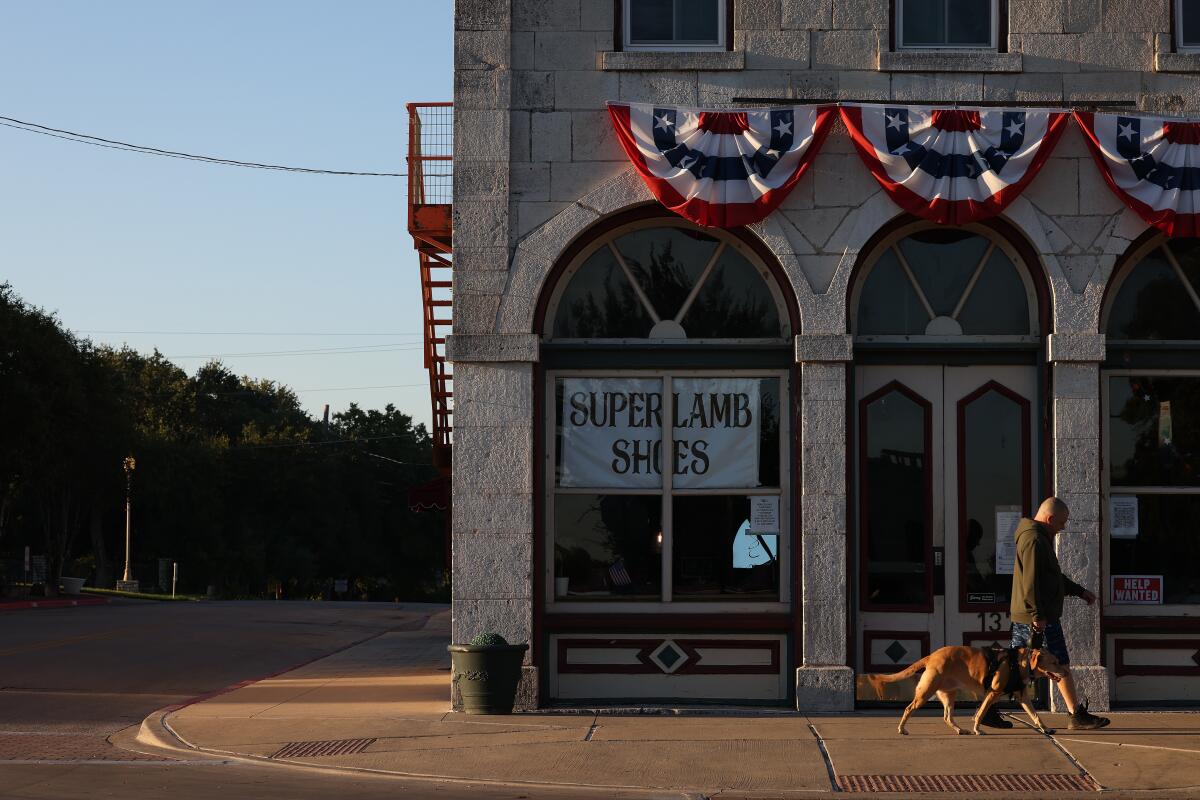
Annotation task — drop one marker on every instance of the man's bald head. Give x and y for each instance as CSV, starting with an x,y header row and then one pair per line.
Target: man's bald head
x,y
1053,513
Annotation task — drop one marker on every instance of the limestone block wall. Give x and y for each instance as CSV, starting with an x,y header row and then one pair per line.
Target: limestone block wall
x,y
536,164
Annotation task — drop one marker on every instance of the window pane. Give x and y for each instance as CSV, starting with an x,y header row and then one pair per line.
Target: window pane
x,y
715,555
970,22
1152,303
998,304
994,478
608,547
924,21
943,262
1167,544
650,20
726,432
1154,431
599,302
888,304
696,21
666,262
1189,17
895,486
735,302
608,432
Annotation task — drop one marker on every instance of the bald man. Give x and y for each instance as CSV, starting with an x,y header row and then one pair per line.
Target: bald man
x,y
1038,591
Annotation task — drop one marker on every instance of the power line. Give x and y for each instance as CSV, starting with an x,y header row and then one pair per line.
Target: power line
x,y
326,389
114,144
240,333
331,351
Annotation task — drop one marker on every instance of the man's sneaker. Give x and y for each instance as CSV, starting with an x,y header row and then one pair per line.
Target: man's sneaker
x,y
1081,720
992,719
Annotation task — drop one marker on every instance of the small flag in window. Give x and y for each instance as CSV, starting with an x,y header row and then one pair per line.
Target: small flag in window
x,y
618,575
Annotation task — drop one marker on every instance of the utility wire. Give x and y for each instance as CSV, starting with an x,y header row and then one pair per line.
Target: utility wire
x,y
241,333
113,144
365,349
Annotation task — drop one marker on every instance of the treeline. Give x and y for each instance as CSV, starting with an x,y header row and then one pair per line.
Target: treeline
x,y
233,479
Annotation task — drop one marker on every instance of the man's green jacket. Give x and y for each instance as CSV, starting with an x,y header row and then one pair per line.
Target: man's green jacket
x,y
1038,587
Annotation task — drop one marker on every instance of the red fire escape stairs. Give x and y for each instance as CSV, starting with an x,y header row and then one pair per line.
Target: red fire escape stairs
x,y
430,182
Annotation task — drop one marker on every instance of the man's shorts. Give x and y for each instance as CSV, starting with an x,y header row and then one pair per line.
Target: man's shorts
x,y
1054,641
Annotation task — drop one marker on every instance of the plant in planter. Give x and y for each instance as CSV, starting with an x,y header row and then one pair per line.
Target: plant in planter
x,y
488,670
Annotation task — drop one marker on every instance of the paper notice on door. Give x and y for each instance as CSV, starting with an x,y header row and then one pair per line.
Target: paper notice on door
x,y
1007,518
1123,511
764,514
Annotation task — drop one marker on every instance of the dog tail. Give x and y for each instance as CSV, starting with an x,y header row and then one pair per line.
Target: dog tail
x,y
877,681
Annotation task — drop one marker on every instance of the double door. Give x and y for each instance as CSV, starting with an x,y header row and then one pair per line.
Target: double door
x,y
945,466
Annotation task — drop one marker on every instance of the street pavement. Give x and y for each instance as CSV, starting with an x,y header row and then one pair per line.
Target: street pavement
x,y
131,701
73,678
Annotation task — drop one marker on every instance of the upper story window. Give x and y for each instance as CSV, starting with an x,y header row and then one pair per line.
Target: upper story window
x,y
674,24
1187,25
951,24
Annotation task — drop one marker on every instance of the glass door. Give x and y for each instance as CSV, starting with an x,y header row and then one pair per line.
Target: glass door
x,y
944,470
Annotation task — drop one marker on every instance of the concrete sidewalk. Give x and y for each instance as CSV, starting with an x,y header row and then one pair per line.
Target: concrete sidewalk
x,y
383,705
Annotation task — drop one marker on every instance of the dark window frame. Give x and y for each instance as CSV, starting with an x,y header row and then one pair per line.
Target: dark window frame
x,y
1001,32
619,29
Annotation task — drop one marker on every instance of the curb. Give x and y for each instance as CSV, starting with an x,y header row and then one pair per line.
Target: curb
x,y
23,605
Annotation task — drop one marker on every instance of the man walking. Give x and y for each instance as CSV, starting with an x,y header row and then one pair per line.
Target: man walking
x,y
1038,591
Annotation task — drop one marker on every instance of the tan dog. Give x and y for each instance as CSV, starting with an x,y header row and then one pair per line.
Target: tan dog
x,y
951,669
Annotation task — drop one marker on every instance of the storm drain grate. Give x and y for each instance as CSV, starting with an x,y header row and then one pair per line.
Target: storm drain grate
x,y
967,783
334,747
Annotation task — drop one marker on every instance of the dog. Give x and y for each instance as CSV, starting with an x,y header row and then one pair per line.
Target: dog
x,y
953,669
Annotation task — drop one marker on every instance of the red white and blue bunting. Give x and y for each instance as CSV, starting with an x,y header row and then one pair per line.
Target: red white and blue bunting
x,y
721,168
953,166
1152,164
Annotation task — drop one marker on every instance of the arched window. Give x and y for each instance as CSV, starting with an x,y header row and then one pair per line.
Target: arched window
x,y
1151,434
944,282
668,382
663,279
1157,297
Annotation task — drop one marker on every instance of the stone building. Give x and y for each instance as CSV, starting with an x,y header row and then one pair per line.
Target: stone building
x,y
917,385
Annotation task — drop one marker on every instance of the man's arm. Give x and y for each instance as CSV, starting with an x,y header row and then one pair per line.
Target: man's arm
x,y
1073,589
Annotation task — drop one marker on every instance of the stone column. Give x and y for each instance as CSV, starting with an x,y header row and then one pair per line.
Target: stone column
x,y
1076,439
492,534
825,679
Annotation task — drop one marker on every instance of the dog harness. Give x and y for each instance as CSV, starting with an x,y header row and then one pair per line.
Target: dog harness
x,y
995,657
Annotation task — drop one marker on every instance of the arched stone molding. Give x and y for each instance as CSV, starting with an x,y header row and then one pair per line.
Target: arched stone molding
x,y
536,254
1075,298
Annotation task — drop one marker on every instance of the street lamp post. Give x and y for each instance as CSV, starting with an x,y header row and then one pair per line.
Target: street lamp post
x,y
127,584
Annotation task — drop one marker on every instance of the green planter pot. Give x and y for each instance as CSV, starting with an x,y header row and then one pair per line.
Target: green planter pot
x,y
487,676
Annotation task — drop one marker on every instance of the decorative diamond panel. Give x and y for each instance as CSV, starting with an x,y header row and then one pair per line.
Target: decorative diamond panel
x,y
668,657
895,651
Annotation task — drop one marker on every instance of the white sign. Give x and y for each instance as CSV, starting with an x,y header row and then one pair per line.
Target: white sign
x,y
1123,516
1007,519
764,514
612,433
752,548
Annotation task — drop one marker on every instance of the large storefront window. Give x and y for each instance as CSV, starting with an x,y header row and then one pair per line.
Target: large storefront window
x,y
710,529
1154,488
1152,431
669,465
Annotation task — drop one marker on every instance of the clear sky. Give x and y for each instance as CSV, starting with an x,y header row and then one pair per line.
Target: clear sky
x,y
121,245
